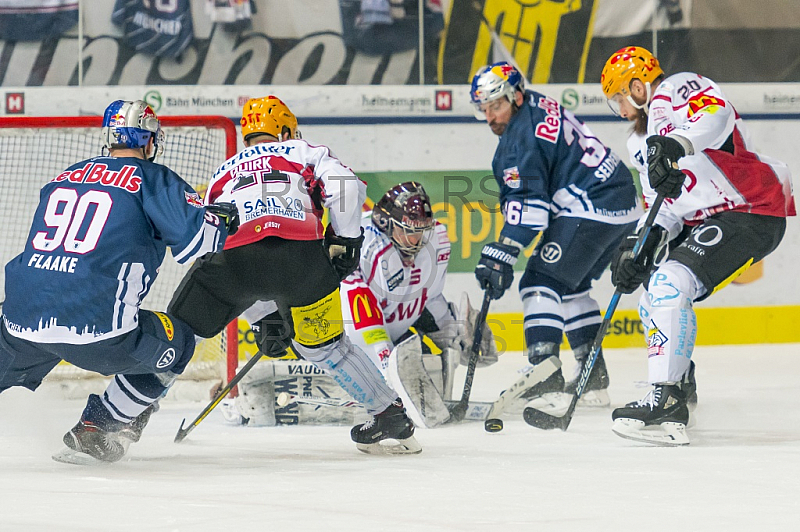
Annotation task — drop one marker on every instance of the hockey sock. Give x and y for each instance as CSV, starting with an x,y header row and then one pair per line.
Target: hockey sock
x,y
352,369
127,396
544,319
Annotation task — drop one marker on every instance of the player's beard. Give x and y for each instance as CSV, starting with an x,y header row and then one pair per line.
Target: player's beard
x,y
640,122
498,128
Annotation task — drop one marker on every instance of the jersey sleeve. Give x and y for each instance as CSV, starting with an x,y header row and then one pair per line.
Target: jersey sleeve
x,y
178,216
697,109
343,193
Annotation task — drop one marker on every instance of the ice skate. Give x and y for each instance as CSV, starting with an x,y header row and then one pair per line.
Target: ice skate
x,y
660,418
133,431
689,386
374,436
595,393
548,395
89,444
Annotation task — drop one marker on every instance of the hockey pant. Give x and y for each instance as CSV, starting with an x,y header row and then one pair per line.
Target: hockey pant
x,y
669,321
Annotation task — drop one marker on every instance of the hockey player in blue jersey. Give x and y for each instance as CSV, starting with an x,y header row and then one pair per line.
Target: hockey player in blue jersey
x,y
561,186
97,239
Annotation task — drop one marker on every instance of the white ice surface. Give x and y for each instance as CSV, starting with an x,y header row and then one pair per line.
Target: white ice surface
x,y
741,471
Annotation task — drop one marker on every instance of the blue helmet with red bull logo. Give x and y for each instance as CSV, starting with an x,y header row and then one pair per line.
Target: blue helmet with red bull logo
x,y
129,124
495,81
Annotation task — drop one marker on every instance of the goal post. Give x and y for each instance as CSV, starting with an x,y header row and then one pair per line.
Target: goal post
x,y
36,149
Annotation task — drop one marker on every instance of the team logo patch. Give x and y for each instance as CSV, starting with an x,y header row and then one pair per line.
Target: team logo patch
x,y
655,341
708,235
320,322
394,280
375,335
551,252
193,199
166,359
169,329
511,177
364,308
704,102
443,256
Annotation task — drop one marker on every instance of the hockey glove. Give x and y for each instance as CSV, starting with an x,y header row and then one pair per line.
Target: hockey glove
x,y
228,213
495,270
272,335
344,252
626,273
662,165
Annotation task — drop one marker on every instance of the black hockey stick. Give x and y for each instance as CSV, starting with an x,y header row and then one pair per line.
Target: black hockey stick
x,y
458,410
542,420
182,433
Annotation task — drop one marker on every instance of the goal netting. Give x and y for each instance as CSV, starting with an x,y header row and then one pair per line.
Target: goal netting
x,y
34,150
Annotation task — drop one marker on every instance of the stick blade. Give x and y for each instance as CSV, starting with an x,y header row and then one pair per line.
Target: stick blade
x,y
182,433
542,420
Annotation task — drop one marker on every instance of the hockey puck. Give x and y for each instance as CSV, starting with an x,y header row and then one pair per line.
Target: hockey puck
x,y
493,425
283,399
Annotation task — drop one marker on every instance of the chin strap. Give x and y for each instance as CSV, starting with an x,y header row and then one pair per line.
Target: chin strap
x,y
646,105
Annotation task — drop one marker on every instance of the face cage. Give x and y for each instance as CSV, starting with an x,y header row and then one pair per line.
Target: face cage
x,y
409,251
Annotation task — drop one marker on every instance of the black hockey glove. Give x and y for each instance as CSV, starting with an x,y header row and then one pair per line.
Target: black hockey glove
x,y
662,165
344,252
272,335
228,213
626,273
495,270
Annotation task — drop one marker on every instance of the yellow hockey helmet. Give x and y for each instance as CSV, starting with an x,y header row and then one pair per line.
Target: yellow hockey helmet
x,y
625,65
268,116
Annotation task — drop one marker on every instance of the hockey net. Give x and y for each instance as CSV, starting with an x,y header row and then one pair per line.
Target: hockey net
x,y
34,150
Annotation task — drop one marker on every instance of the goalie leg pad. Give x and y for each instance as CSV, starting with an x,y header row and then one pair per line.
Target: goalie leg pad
x,y
411,380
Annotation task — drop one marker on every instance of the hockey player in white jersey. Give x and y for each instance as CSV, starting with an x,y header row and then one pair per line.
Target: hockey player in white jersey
x,y
282,259
398,285
98,237
725,209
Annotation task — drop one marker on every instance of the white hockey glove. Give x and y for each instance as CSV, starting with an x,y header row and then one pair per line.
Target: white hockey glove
x,y
458,333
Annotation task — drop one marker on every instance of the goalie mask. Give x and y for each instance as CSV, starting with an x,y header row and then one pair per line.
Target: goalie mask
x,y
268,116
131,125
404,214
493,82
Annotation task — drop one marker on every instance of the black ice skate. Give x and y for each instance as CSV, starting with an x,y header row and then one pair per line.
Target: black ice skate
x,y
595,393
548,395
689,386
660,418
391,424
133,431
87,443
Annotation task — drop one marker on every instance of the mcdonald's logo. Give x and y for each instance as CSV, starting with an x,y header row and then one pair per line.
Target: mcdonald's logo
x,y
703,101
364,308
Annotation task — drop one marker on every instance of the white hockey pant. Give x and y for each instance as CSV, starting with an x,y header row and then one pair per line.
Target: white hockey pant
x,y
669,321
352,369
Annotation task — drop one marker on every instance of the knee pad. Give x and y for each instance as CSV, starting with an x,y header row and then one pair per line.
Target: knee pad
x,y
319,323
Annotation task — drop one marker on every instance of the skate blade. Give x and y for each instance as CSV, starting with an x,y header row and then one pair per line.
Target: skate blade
x,y
553,403
666,434
71,456
385,447
594,399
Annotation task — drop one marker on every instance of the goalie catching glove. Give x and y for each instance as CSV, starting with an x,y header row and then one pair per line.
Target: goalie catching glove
x,y
457,333
344,252
228,213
